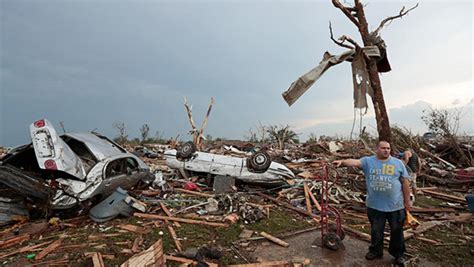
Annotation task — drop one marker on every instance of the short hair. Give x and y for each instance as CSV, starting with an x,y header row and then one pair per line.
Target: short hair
x,y
380,141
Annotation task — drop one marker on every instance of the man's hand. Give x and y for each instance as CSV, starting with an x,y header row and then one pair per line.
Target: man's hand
x,y
338,163
407,205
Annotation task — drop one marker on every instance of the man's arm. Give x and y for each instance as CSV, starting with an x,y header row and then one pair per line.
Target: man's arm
x,y
348,162
406,193
406,156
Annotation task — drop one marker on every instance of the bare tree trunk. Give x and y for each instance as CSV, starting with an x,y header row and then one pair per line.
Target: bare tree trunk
x,y
383,125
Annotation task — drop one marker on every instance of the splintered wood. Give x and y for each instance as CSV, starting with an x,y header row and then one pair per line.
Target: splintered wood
x,y
153,256
49,249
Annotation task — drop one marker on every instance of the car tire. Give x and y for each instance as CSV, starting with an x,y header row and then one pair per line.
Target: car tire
x,y
259,162
332,241
186,151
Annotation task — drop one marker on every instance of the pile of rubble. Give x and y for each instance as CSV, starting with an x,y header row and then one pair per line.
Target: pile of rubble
x,y
199,191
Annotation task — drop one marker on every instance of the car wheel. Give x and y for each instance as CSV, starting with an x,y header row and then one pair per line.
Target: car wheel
x,y
332,241
259,162
186,151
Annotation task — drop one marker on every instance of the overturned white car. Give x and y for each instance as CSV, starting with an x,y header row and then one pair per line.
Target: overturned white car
x,y
66,170
257,169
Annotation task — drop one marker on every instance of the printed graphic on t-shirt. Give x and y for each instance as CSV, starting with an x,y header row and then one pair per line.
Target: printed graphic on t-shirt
x,y
380,179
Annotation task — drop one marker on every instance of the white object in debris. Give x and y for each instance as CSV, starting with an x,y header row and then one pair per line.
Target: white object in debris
x,y
159,181
135,203
212,205
334,147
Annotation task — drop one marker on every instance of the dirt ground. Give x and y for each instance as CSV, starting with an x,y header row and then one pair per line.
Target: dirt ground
x,y
351,253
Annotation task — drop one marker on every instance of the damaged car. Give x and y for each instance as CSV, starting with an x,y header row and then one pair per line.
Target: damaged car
x,y
256,169
62,171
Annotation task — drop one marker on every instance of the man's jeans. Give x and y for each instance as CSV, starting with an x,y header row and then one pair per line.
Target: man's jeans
x,y
377,223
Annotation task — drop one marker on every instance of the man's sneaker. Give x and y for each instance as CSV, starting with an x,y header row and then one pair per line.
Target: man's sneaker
x,y
371,256
399,261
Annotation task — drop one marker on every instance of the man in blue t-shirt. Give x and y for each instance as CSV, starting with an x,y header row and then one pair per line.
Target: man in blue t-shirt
x,y
388,196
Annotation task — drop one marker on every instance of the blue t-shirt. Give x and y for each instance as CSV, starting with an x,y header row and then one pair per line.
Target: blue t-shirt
x,y
384,188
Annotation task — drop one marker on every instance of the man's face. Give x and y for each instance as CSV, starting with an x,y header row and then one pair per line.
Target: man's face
x,y
383,150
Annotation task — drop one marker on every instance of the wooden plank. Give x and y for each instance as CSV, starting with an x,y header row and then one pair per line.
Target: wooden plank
x,y
49,249
358,234
274,239
168,213
309,208
438,158
178,259
431,210
14,241
177,219
24,249
427,240
200,194
445,196
177,243
133,228
97,259
315,201
421,229
153,256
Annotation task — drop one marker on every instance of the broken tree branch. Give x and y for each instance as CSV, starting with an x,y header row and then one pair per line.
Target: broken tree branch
x,y
204,122
190,117
338,42
402,13
350,40
346,11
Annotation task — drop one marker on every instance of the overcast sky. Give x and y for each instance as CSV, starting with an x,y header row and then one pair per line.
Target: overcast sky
x,y
89,63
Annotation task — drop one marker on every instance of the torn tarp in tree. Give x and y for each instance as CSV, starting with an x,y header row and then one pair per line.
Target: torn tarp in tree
x,y
300,86
361,81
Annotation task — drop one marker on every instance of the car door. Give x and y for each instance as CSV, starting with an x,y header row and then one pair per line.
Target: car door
x,y
122,172
200,162
227,165
114,174
52,153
